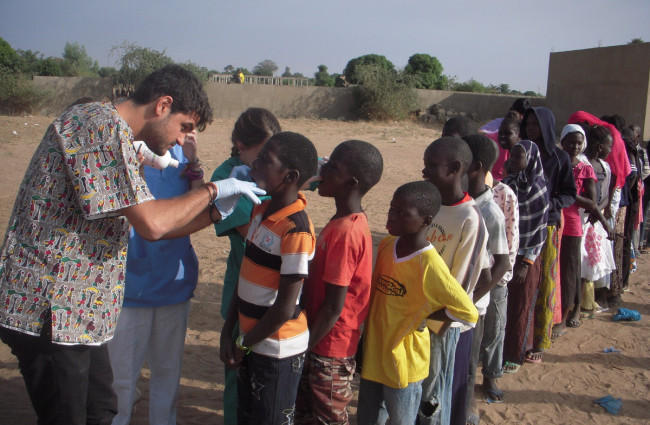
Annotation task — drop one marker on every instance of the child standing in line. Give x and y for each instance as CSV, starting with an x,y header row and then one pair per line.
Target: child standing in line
x,y
410,283
252,129
484,153
270,349
526,179
338,293
459,235
599,260
574,142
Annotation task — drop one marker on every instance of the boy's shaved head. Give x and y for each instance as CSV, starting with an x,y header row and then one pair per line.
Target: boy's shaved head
x,y
456,127
363,160
421,195
297,153
483,149
452,149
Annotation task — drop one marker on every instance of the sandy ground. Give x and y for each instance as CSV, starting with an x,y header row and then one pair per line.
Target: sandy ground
x,y
559,391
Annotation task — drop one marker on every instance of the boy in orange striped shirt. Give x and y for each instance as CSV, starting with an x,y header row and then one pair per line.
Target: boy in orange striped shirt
x,y
274,336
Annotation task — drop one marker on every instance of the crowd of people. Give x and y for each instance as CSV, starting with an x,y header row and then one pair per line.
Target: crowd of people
x,y
509,239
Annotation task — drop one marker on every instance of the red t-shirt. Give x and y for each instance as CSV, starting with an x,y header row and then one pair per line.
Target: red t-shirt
x,y
343,257
572,221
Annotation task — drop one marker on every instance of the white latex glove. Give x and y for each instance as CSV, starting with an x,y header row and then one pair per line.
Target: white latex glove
x,y
230,190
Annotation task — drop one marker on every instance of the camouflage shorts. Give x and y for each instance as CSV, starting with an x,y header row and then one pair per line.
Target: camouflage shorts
x,y
325,390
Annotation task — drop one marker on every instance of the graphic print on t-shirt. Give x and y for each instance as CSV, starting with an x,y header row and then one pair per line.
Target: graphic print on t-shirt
x,y
389,286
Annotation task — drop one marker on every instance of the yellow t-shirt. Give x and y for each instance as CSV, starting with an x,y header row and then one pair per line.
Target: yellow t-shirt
x,y
404,292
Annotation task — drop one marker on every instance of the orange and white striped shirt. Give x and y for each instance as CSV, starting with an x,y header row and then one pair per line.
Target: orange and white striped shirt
x,y
281,244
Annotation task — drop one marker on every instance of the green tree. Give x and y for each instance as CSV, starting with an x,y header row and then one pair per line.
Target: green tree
x,y
77,63
636,40
51,67
137,62
471,85
201,72
287,72
228,69
323,78
9,59
384,94
351,70
428,69
267,68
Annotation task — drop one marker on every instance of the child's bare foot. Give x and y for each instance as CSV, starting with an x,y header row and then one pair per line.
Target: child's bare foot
x,y
492,393
557,331
574,320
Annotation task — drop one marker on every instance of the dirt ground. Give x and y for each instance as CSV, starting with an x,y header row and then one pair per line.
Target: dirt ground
x,y
561,390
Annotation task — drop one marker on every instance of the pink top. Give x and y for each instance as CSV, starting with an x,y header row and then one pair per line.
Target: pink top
x,y
572,222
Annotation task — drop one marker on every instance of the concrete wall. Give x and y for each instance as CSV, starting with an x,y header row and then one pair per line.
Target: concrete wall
x,y
601,81
65,90
229,100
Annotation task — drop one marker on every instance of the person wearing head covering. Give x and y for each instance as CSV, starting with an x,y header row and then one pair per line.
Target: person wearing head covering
x,y
619,164
574,142
539,126
526,179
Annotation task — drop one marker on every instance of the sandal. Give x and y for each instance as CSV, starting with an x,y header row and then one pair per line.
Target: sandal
x,y
534,357
510,367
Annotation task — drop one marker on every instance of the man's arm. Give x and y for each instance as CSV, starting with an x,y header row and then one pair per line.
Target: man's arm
x,y
159,217
327,314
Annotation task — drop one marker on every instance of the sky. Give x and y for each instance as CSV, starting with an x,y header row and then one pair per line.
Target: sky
x,y
494,42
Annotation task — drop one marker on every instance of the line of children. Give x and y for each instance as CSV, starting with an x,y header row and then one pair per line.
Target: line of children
x,y
442,265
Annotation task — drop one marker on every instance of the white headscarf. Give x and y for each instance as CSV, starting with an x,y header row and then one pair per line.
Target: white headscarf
x,y
575,128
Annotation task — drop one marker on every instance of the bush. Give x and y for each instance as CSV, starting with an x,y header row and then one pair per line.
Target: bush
x,y
18,95
384,94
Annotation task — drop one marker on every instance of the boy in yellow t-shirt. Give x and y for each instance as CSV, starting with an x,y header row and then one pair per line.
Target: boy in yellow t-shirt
x,y
410,283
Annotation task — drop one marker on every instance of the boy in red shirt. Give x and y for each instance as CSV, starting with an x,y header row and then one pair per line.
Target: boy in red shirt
x,y
338,292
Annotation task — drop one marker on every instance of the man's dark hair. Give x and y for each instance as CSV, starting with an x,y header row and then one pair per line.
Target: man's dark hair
x,y
364,162
296,152
456,125
483,149
184,88
254,127
453,149
422,195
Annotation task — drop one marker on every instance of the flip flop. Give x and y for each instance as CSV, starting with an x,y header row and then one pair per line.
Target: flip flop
x,y
510,367
532,357
493,396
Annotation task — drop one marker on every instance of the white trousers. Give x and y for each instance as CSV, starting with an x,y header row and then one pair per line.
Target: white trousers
x,y
158,335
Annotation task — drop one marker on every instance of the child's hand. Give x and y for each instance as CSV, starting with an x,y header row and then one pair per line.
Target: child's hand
x,y
190,145
519,273
227,351
610,232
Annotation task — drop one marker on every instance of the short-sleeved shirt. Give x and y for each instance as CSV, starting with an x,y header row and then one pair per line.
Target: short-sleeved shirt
x,y
344,258
66,245
163,272
497,243
404,292
572,221
228,227
281,244
459,235
506,200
